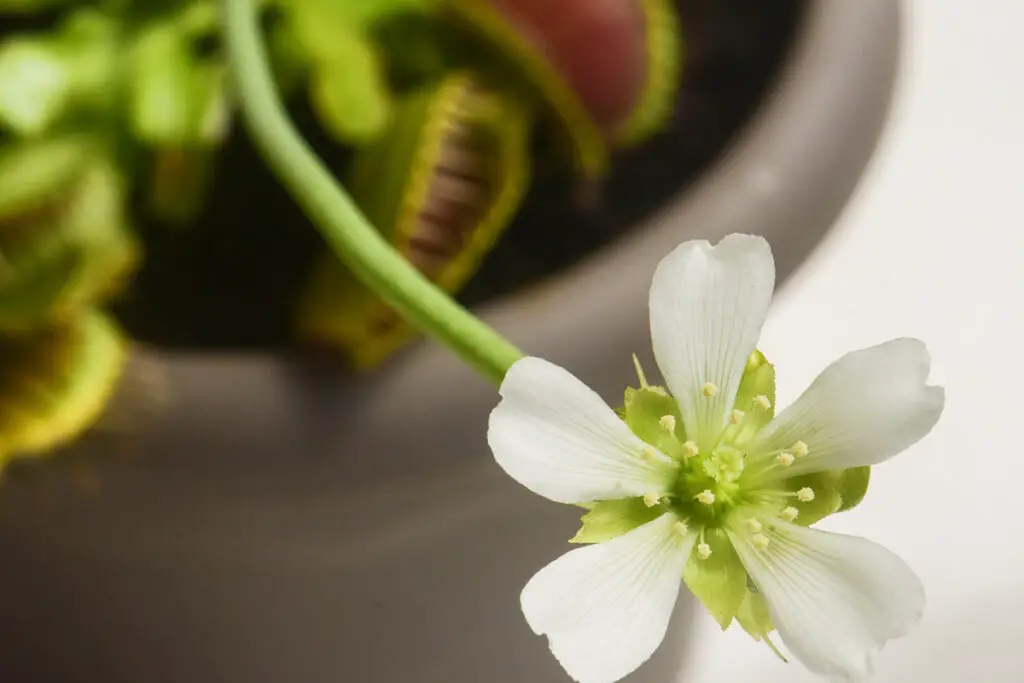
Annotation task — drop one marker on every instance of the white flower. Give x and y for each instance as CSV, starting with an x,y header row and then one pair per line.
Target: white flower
x,y
702,482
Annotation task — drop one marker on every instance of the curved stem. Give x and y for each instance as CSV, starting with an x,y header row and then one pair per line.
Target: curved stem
x,y
342,224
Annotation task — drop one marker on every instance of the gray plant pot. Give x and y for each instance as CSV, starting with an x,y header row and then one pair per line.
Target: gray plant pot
x,y
269,526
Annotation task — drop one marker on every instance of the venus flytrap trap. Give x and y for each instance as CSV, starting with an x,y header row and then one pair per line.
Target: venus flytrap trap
x,y
701,482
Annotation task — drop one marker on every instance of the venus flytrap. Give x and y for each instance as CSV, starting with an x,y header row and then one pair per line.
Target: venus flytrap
x,y
702,481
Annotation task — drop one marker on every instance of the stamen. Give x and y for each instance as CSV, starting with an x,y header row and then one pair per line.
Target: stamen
x,y
759,541
640,372
805,495
753,525
709,390
703,551
668,422
799,449
706,497
784,459
790,514
690,449
681,528
762,402
652,499
736,417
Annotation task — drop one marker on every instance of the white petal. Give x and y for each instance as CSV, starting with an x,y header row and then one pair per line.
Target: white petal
x,y
605,608
835,600
707,307
555,436
866,407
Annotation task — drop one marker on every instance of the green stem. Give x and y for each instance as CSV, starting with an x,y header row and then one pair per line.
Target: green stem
x,y
342,224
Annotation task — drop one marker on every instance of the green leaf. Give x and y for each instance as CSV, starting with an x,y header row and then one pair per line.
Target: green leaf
x,y
175,97
827,496
348,92
853,486
720,581
643,410
45,79
54,383
753,615
35,85
608,519
348,89
71,256
758,380
33,172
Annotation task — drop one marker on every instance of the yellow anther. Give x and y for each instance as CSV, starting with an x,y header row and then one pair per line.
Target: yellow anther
x,y
762,402
681,528
799,449
703,551
736,417
785,459
753,525
652,499
690,449
706,497
805,495
709,390
649,453
759,541
790,514
668,422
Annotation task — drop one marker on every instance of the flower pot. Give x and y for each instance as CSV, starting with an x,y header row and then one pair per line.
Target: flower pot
x,y
274,523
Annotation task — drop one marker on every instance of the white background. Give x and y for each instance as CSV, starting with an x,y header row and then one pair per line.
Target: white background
x,y
931,247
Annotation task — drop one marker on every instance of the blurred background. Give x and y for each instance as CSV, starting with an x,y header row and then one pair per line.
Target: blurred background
x,y
236,540
932,246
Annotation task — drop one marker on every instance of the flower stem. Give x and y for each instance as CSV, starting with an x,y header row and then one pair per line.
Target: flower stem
x,y
343,225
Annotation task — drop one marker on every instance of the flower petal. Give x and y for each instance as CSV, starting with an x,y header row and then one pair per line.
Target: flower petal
x,y
555,436
835,600
866,407
707,307
605,608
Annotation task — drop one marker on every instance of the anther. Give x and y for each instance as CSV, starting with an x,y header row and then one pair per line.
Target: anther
x,y
706,497
805,495
681,528
668,422
690,449
652,499
759,541
762,402
799,449
649,453
753,525
709,390
703,551
736,417
790,514
785,459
